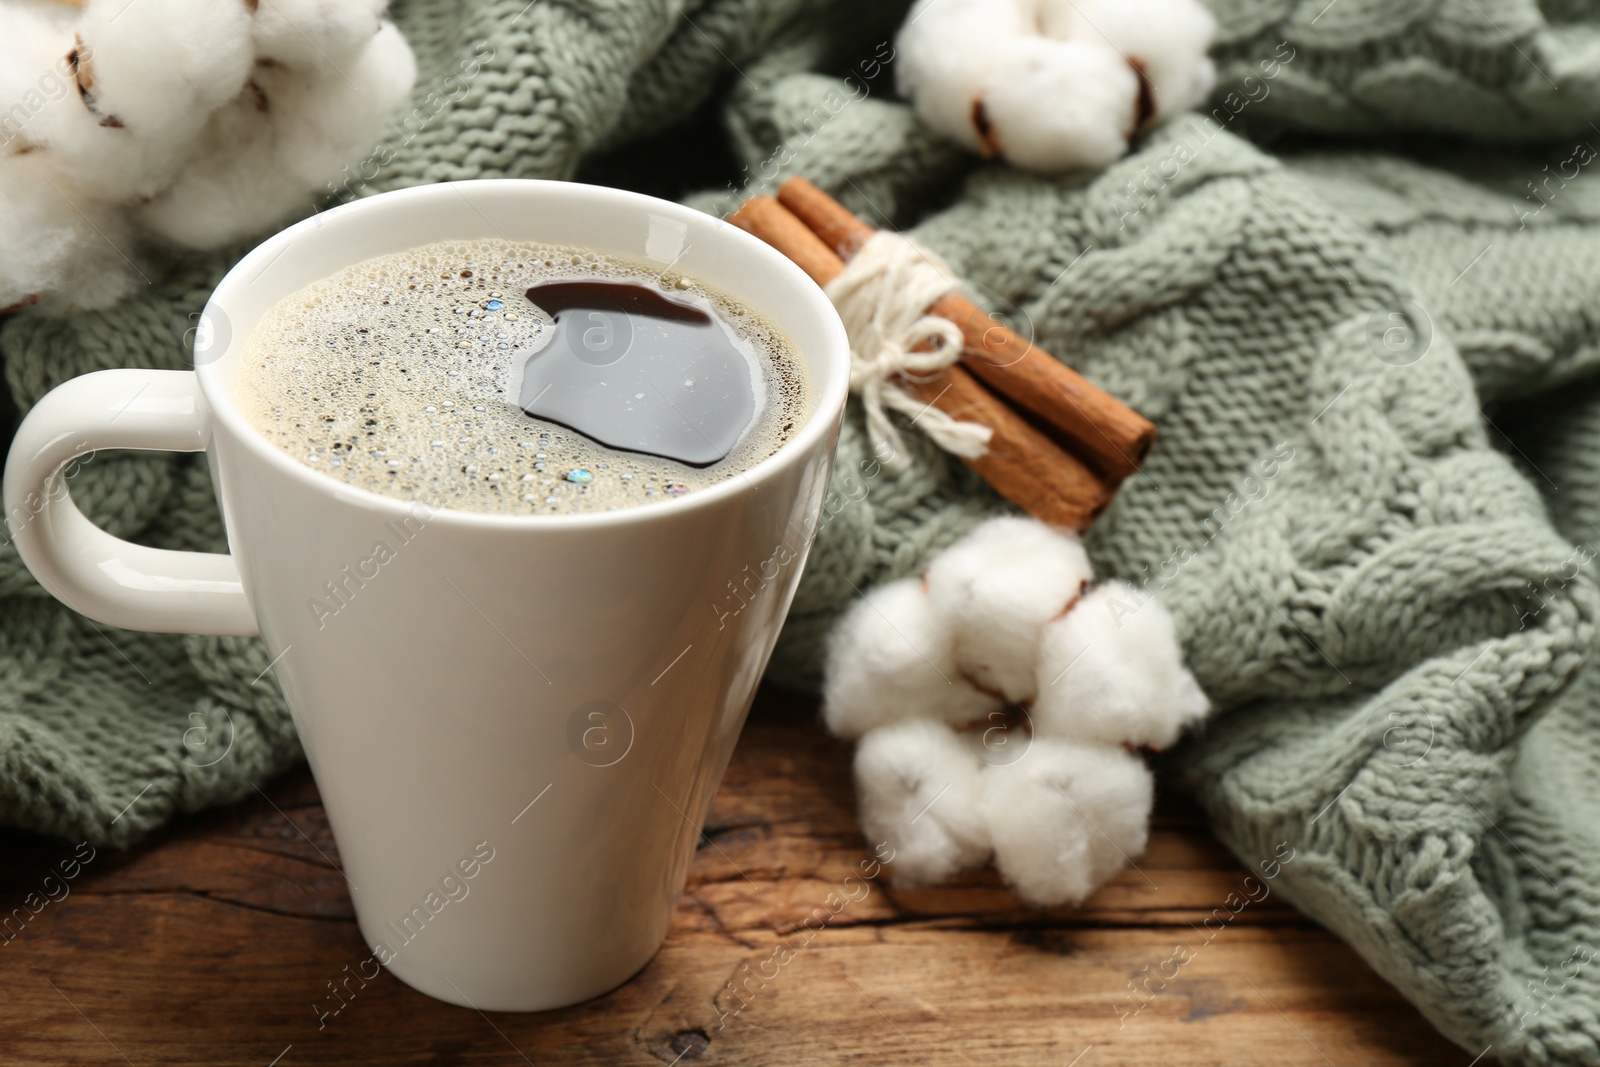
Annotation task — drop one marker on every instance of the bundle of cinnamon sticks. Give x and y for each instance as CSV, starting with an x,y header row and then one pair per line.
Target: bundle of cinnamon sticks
x,y
1061,445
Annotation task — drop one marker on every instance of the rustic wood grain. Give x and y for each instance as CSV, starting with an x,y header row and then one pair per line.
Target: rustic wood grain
x,y
212,943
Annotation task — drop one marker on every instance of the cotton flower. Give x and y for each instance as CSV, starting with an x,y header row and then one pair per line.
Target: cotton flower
x,y
1053,85
1008,614
192,121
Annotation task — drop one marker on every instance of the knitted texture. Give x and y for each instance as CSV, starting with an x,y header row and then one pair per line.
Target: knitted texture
x,y
1387,594
1500,69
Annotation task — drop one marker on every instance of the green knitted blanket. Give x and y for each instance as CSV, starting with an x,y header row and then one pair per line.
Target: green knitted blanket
x,y
1371,506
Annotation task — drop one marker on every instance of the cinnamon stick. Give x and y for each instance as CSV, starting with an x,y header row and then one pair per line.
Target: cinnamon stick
x,y
777,225
1108,433
1022,464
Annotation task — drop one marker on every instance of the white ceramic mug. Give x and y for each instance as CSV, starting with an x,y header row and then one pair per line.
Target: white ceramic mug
x,y
516,723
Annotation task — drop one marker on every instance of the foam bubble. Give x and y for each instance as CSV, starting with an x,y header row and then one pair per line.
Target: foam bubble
x,y
400,375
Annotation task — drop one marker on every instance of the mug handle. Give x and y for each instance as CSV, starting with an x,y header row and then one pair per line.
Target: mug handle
x,y
106,578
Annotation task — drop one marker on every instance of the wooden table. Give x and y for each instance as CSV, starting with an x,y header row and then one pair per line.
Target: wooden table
x,y
219,942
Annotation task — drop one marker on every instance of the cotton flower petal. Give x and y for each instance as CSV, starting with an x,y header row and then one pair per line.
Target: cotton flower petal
x,y
996,588
1111,671
1166,39
918,786
290,141
1065,818
151,74
64,255
890,658
1053,85
314,34
1062,104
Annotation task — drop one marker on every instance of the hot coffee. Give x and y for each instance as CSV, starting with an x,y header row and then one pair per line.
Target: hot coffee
x,y
520,378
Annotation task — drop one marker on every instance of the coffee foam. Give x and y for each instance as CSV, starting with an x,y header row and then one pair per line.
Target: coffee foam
x,y
400,375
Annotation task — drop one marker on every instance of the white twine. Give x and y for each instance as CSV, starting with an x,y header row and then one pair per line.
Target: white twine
x,y
882,296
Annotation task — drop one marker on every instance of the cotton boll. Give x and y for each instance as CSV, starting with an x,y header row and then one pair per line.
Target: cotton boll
x,y
335,120
1065,818
69,253
148,109
151,73
35,75
945,56
1111,671
1169,38
918,787
998,586
33,48
314,34
1060,105
890,659
1053,84
153,60
282,145
235,185
60,245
